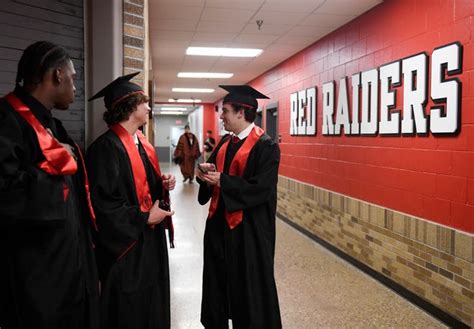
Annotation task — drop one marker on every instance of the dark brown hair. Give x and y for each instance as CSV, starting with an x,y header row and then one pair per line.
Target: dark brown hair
x,y
122,110
249,113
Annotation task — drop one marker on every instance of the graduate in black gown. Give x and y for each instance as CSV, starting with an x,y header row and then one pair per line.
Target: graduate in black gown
x,y
126,190
240,179
48,277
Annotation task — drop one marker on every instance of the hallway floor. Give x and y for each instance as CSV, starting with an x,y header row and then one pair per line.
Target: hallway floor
x,y
316,288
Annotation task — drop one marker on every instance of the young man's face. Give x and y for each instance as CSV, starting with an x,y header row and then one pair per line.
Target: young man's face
x,y
140,115
231,118
65,89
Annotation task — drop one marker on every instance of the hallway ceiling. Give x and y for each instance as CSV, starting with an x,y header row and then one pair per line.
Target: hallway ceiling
x,y
288,27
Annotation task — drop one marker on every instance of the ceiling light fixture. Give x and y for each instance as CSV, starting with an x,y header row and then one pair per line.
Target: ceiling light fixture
x,y
205,75
193,90
173,109
184,100
171,113
226,52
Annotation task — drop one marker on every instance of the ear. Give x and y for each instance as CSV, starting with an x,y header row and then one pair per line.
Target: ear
x,y
57,75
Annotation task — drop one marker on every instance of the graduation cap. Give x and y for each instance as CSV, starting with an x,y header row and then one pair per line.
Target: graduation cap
x,y
243,95
118,90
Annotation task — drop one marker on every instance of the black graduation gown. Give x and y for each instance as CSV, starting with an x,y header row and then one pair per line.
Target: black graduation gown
x,y
238,279
48,275
135,283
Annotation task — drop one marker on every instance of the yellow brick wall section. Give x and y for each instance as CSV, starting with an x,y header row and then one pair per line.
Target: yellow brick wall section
x,y
430,260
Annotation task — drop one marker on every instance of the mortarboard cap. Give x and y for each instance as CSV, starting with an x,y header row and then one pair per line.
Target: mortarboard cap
x,y
118,90
242,95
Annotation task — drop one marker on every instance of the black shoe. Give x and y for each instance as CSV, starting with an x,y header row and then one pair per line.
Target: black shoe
x,y
191,181
185,179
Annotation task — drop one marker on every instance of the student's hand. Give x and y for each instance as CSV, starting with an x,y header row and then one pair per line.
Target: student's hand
x,y
157,214
169,182
212,178
68,147
206,167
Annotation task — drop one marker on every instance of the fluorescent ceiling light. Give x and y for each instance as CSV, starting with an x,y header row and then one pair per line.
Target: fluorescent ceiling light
x,y
227,52
173,109
171,113
184,100
205,75
193,90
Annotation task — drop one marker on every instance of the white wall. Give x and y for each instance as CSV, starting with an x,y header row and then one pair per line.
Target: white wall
x,y
196,119
163,124
104,40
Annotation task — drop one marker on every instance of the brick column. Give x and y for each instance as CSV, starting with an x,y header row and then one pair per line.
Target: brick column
x,y
136,46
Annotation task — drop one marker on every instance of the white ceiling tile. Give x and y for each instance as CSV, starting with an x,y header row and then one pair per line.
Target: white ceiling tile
x,y
295,40
176,25
232,4
310,31
214,37
262,39
226,15
164,35
197,63
347,7
177,3
327,20
275,29
228,26
294,6
226,64
277,17
175,12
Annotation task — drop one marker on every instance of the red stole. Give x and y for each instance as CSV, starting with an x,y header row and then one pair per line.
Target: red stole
x,y
237,168
142,188
58,161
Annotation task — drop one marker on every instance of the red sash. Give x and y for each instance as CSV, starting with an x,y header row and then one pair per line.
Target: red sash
x,y
139,174
237,168
58,161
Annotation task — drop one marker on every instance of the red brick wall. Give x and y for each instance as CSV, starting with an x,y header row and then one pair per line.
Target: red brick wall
x,y
430,177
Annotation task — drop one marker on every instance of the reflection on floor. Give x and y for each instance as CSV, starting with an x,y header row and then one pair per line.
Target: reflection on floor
x,y
316,288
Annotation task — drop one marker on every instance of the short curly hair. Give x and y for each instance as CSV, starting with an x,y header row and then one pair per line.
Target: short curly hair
x,y
122,110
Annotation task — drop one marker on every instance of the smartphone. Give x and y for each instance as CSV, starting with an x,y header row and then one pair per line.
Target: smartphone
x,y
204,171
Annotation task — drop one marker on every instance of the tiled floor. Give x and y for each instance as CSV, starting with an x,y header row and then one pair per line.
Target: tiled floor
x,y
316,288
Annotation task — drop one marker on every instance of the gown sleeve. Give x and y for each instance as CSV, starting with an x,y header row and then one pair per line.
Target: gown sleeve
x,y
120,222
241,193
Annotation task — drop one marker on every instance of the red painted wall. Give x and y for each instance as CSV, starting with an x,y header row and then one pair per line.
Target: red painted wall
x,y
209,121
430,177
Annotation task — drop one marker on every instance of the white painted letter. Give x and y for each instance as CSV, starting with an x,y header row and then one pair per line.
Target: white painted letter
x,y
370,91
414,97
311,111
328,108
301,112
445,91
294,114
355,104
342,112
389,121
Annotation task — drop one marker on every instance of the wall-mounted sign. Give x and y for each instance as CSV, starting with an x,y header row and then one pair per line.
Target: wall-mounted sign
x,y
373,109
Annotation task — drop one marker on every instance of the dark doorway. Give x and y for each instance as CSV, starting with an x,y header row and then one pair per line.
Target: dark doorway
x,y
272,121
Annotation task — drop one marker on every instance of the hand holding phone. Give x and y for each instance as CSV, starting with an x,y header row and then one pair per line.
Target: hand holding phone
x,y
206,167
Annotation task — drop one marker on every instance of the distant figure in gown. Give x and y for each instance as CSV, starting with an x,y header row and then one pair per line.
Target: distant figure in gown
x,y
186,153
